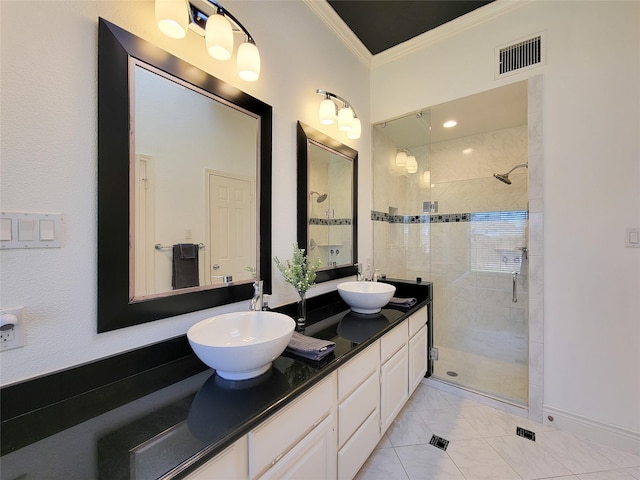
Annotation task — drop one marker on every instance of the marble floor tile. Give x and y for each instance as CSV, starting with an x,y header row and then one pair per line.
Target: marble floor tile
x,y
606,475
383,464
634,472
449,425
527,457
483,445
409,429
428,462
576,454
477,460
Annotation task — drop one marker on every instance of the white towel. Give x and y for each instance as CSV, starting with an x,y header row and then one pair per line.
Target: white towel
x,y
309,347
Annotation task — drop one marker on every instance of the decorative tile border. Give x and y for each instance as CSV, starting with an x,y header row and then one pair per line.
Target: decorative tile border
x,y
450,217
329,221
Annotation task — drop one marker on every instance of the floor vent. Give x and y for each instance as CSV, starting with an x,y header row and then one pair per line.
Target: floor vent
x,y
524,433
439,442
522,55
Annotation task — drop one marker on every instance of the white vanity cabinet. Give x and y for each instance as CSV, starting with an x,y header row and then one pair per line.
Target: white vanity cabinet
x,y
394,374
418,355
358,410
300,440
230,463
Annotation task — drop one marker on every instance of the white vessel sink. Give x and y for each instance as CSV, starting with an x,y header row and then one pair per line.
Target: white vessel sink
x,y
366,297
241,345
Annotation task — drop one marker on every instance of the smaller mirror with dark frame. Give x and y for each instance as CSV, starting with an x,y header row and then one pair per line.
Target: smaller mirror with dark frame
x,y
327,202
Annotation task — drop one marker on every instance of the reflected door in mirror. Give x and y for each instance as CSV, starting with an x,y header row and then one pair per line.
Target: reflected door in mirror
x,y
180,140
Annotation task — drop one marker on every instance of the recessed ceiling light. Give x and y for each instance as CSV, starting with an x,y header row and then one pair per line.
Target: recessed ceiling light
x,y
467,151
449,124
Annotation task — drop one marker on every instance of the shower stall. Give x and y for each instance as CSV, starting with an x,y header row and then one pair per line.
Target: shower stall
x,y
453,219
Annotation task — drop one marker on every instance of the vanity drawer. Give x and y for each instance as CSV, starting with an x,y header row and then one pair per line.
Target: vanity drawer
x,y
417,321
357,370
393,341
354,410
271,440
356,451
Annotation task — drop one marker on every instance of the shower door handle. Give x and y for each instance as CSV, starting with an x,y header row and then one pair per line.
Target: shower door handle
x,y
514,298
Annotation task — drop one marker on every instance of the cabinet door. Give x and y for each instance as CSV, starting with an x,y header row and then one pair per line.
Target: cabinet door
x,y
417,358
231,463
394,391
355,452
313,458
272,440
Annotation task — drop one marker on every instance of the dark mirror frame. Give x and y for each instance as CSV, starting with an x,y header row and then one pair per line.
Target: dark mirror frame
x,y
115,310
304,134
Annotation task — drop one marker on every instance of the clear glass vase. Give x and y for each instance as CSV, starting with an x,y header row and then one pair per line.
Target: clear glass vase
x,y
301,320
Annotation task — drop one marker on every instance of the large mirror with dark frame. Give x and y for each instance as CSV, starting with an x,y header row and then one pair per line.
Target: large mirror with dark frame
x,y
327,202
184,186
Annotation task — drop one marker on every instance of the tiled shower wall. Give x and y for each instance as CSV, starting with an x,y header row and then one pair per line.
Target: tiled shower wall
x,y
473,307
404,252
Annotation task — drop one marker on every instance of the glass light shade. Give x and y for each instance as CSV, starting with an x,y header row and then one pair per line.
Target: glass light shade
x,y
327,112
172,17
401,159
412,164
248,62
426,177
219,37
356,129
345,118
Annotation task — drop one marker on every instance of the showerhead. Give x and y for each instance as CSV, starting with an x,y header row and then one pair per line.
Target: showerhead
x,y
321,197
504,177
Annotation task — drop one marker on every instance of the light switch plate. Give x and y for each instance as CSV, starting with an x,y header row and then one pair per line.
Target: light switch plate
x,y
30,230
632,238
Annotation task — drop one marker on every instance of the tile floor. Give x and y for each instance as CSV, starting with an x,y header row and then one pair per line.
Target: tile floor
x,y
483,445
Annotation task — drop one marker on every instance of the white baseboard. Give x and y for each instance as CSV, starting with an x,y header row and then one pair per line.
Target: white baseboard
x,y
593,430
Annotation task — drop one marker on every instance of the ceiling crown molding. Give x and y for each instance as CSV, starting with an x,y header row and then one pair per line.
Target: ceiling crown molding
x,y
323,10
449,29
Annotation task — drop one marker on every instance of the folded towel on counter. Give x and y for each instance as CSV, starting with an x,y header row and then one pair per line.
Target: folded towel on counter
x,y
402,302
309,347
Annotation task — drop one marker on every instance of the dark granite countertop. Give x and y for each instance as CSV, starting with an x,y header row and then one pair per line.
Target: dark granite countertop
x,y
170,432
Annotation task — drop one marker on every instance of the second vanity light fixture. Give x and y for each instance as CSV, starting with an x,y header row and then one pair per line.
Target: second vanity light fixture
x,y
175,17
346,117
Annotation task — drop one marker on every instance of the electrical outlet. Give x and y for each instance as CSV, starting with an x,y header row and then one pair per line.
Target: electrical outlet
x,y
11,328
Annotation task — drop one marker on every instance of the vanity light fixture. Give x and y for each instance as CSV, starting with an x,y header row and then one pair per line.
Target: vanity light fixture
x,y
174,17
401,159
346,117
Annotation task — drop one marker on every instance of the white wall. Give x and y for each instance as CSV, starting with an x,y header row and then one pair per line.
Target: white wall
x,y
591,110
49,155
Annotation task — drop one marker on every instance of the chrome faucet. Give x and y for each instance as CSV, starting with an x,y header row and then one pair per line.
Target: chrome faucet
x,y
359,276
256,301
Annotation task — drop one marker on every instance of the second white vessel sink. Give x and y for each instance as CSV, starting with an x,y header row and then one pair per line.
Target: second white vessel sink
x,y
366,297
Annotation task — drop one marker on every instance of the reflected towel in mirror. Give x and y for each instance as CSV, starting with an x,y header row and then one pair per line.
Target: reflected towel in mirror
x,y
184,266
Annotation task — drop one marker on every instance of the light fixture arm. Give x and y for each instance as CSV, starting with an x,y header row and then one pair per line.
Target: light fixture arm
x,y
334,97
200,18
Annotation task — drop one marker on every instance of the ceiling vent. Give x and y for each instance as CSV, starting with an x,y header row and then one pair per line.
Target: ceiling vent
x,y
522,55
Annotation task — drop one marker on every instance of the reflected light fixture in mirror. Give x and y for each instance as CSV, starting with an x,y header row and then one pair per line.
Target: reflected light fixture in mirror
x,y
401,158
217,26
412,164
347,119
